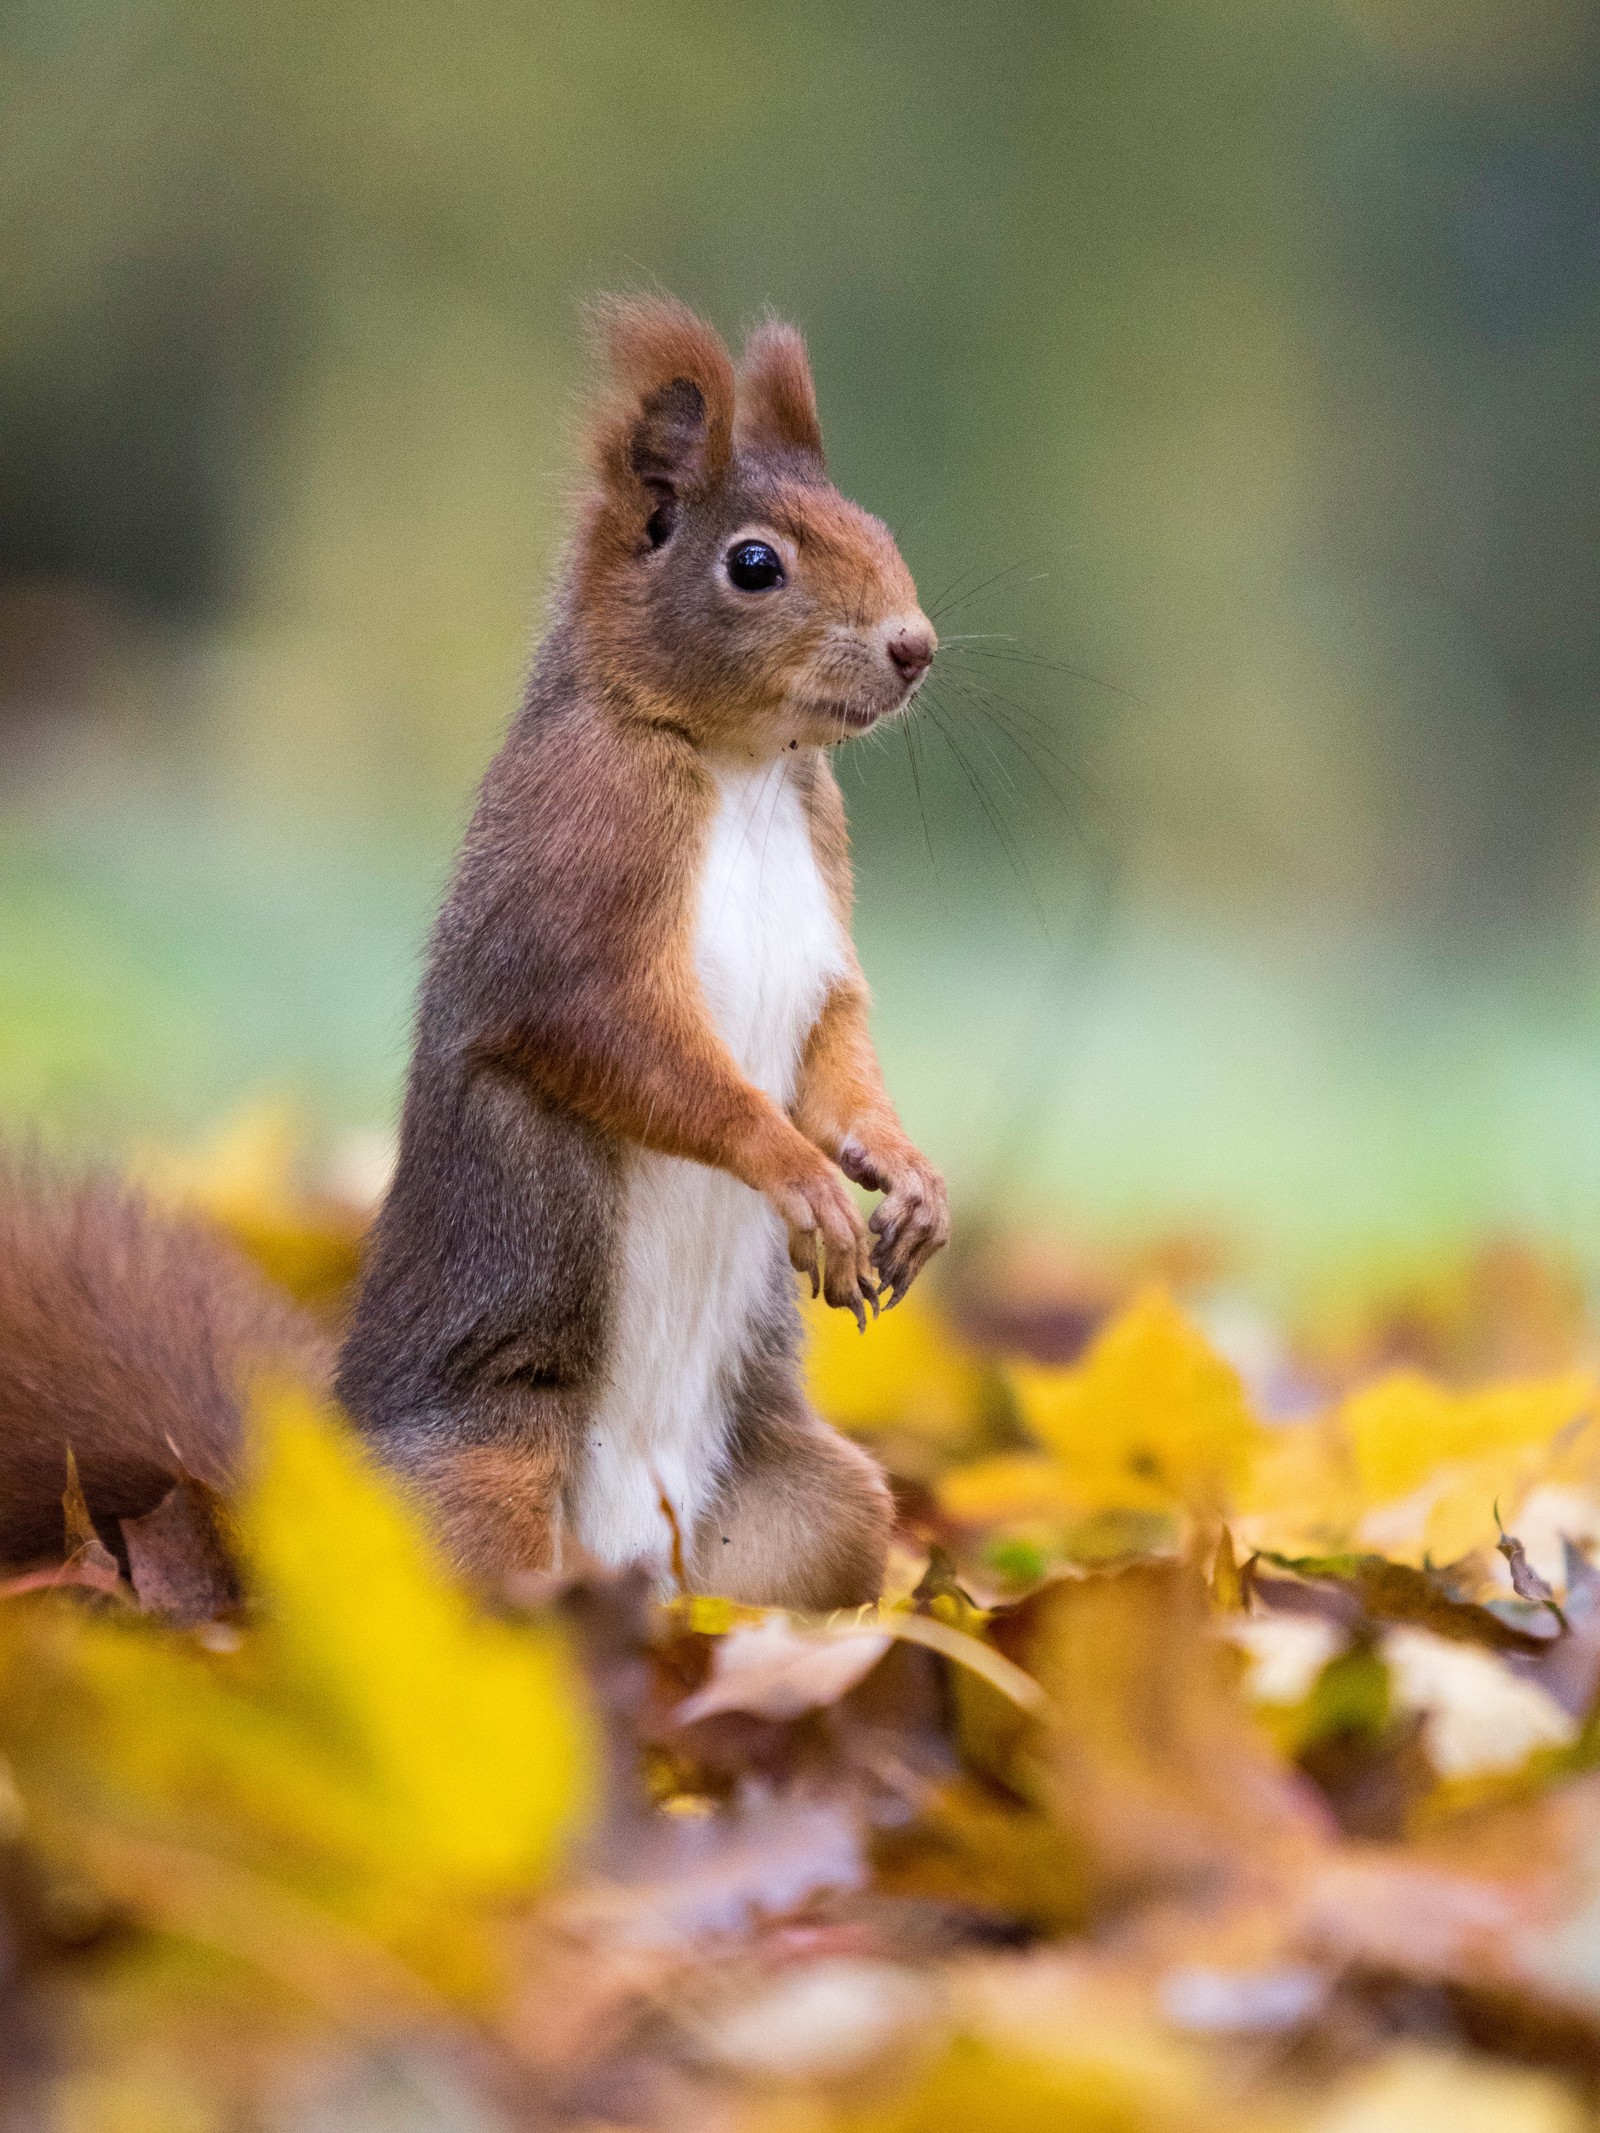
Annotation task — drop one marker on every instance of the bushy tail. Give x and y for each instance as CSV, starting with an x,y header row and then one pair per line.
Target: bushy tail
x,y
130,1335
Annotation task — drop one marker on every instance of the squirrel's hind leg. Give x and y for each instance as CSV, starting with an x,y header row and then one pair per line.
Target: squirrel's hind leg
x,y
492,1508
803,1517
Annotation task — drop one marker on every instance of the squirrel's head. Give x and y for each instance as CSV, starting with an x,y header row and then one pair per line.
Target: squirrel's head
x,y
723,585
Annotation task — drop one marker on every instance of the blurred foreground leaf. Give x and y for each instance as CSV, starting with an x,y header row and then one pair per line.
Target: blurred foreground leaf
x,y
370,1745
978,2088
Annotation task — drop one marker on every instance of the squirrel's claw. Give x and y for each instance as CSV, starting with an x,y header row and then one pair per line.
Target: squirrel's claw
x,y
803,1257
911,1224
849,1285
830,1245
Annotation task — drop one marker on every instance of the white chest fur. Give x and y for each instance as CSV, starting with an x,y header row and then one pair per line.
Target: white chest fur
x,y
699,1249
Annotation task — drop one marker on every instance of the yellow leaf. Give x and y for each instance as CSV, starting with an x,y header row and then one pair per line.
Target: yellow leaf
x,y
1418,2090
1153,1419
245,1175
245,1166
1465,1514
1405,1427
372,1743
906,1373
1301,1495
1008,1489
708,1614
1227,1587
467,1730
1430,1468
1118,2084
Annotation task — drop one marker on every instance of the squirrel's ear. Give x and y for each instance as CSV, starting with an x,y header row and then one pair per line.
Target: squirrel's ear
x,y
777,401
667,436
666,426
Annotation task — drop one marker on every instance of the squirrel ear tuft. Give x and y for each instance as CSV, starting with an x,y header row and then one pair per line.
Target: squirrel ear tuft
x,y
666,425
777,400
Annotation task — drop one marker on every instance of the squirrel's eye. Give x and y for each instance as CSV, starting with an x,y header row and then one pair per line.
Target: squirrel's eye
x,y
755,566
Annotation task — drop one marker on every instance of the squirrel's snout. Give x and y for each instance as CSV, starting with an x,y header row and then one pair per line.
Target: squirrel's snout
x,y
911,646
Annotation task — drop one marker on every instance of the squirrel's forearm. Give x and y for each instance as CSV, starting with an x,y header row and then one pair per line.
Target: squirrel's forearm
x,y
841,1091
661,1081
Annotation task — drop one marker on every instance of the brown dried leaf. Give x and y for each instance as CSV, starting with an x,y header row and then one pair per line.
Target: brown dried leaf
x,y
80,1530
1156,1761
178,1560
973,1849
1398,1592
87,1556
1569,1666
765,1856
1227,1587
1526,1582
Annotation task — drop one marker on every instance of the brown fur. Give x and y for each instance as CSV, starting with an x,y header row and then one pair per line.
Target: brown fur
x,y
777,402
804,1516
131,1337
492,1507
646,635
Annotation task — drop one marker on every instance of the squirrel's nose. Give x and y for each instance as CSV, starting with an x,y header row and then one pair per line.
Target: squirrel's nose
x,y
911,649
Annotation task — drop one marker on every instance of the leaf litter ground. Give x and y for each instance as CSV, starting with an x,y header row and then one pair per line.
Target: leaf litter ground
x,y
1226,1746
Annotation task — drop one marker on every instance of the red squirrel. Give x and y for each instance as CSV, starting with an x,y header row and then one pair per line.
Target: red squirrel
x,y
642,1072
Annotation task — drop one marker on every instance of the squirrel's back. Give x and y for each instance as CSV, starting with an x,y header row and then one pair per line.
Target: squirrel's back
x,y
130,1335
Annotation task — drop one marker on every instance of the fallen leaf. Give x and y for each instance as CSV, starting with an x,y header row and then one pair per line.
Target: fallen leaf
x,y
1431,1465
1227,1588
1155,1761
88,1561
1301,1495
972,1848
247,1177
1526,1582
1011,1488
1286,1653
1398,1592
1242,2003
372,1746
177,1558
908,1375
818,2020
1480,1716
976,2085
1405,1428
1416,2090
762,1856
973,1655
776,1670
1569,1667
1153,1419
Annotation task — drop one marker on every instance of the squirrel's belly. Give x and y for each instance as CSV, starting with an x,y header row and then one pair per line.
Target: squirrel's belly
x,y
699,1252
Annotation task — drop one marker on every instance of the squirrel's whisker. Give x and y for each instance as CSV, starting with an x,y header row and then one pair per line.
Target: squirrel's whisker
x,y
996,820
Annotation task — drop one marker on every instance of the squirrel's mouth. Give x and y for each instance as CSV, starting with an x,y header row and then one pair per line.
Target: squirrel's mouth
x,y
848,717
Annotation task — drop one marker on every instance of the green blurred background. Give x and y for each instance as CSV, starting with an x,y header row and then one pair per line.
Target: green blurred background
x,y
1233,364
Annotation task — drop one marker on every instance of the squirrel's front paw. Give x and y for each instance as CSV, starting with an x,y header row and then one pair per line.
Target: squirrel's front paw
x,y
911,1222
819,1209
